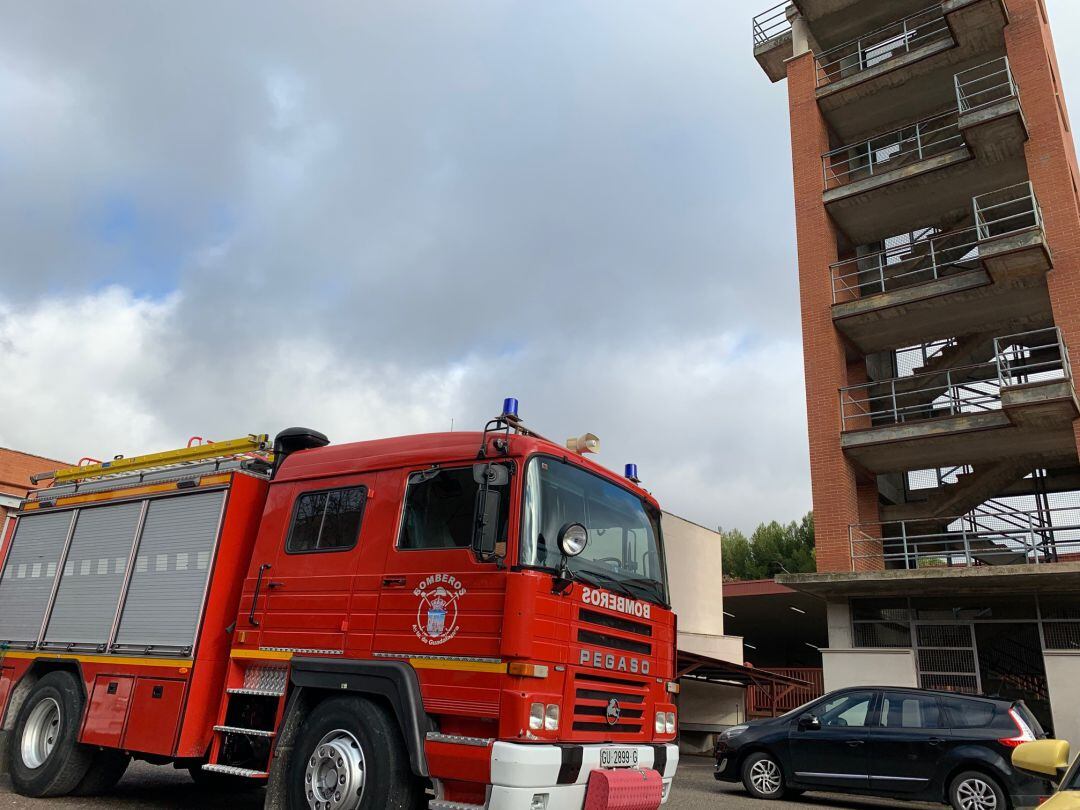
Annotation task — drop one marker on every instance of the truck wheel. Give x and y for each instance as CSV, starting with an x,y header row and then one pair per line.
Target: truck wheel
x,y
349,755
45,758
106,770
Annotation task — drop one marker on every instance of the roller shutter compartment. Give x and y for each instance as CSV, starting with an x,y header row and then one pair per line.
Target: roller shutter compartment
x,y
93,575
29,574
173,562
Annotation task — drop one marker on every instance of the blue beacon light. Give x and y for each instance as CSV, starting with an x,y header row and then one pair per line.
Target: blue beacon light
x,y
631,473
510,407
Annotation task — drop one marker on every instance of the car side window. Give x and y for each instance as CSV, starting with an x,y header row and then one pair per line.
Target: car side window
x,y
328,520
440,509
968,713
851,709
905,710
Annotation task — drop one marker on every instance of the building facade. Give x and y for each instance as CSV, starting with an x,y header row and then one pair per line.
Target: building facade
x,y
937,201
15,470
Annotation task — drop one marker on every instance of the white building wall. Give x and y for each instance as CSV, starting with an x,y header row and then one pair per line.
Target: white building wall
x,y
1063,680
696,576
847,665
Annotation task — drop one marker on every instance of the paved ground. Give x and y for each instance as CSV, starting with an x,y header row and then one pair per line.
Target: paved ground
x,y
162,788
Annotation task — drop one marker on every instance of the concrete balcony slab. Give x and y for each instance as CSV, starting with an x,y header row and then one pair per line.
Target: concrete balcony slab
x,y
904,86
834,22
904,199
773,56
1034,419
1059,577
995,133
1008,295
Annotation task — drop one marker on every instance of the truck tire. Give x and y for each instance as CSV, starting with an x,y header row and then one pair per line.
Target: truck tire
x,y
349,755
45,757
106,769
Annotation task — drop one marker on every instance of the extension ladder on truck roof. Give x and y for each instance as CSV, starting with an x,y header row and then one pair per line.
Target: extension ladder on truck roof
x,y
115,558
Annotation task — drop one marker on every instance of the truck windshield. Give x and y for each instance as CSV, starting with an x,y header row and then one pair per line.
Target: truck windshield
x,y
624,552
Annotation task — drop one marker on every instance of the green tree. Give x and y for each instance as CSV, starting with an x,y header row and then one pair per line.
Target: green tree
x,y
772,549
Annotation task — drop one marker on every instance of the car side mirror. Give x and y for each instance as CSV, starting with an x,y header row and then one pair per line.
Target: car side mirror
x,y
809,722
1042,758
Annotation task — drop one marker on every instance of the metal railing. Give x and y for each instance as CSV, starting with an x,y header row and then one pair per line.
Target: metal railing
x,y
928,138
882,44
758,703
1036,356
934,254
771,24
984,537
984,85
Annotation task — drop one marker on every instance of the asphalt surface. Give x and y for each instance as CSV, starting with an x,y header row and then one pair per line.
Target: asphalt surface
x,y
162,788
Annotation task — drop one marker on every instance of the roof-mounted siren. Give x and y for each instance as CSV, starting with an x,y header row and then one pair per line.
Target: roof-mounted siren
x,y
510,410
292,439
631,473
585,443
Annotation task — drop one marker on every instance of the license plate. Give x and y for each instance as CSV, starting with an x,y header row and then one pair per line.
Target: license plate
x,y
618,757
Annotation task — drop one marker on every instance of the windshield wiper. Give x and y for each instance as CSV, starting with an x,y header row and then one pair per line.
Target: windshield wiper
x,y
620,585
650,585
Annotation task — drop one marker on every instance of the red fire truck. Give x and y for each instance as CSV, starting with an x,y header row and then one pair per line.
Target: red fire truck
x,y
470,619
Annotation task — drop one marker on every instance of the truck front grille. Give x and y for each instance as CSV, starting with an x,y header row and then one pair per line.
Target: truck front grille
x,y
593,695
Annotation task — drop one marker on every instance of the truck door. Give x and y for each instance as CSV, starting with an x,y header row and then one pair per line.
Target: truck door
x,y
438,600
307,590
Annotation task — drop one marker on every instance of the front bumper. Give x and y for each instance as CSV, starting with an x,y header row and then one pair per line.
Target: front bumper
x,y
521,773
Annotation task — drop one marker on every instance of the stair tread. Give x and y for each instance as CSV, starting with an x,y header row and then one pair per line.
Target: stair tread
x,y
251,732
241,690
232,770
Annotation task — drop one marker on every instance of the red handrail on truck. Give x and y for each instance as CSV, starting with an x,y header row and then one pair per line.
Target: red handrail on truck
x,y
483,613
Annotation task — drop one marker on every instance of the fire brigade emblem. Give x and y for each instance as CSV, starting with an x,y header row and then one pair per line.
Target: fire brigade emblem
x,y
437,612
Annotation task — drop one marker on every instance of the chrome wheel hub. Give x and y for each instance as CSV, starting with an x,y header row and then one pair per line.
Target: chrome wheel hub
x,y
976,794
40,733
765,776
334,777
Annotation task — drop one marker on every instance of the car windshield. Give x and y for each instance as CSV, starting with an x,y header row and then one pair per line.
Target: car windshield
x,y
624,552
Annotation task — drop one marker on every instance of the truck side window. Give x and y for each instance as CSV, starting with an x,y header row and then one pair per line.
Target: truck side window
x,y
440,509
326,521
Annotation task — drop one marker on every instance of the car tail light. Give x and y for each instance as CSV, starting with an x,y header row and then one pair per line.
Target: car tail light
x,y
1024,732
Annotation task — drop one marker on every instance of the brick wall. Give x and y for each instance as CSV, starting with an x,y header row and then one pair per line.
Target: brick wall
x,y
837,490
16,469
1051,159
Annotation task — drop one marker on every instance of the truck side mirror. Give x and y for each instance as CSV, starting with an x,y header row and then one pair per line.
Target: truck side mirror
x,y
809,722
486,532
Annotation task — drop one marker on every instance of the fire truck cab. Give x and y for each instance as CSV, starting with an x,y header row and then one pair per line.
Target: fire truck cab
x,y
466,620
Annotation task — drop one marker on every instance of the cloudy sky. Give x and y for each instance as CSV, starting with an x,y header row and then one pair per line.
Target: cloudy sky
x,y
374,218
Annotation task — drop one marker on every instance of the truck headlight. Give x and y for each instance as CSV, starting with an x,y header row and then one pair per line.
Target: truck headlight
x,y
536,716
669,722
660,723
551,717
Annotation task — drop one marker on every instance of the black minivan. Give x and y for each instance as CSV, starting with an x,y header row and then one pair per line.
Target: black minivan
x,y
888,741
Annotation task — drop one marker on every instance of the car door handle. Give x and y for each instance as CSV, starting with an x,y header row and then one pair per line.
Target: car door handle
x,y
855,743
393,582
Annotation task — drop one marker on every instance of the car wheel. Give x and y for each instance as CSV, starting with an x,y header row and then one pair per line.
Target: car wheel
x,y
349,755
45,758
762,776
973,790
